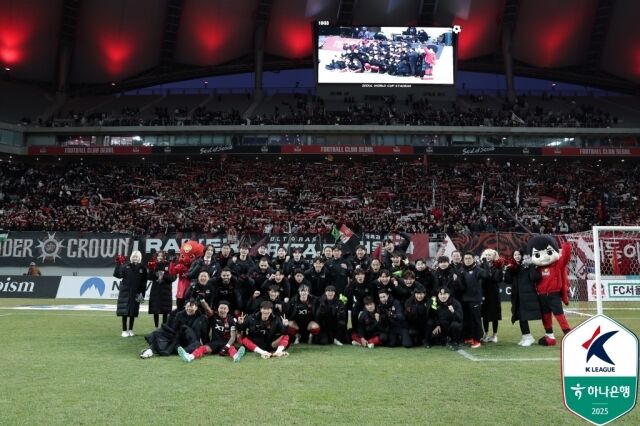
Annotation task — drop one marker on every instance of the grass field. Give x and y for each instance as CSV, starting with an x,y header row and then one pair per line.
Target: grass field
x,y
72,367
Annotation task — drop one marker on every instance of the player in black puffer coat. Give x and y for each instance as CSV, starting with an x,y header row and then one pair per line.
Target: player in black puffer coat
x,y
160,301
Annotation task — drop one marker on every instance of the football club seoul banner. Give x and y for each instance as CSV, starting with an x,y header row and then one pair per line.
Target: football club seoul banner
x,y
600,370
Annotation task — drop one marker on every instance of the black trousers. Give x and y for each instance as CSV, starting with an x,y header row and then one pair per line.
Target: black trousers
x,y
452,330
472,320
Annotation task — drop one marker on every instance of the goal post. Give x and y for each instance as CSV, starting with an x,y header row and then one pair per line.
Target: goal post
x,y
604,270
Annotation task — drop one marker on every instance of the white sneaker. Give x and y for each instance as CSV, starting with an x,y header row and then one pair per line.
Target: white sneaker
x,y
528,341
130,333
337,342
265,354
355,343
493,339
485,338
297,341
125,334
310,341
371,345
522,339
147,353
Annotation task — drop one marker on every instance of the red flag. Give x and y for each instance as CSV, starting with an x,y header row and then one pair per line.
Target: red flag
x,y
345,234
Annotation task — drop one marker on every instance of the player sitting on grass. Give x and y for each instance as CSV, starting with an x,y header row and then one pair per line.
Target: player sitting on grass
x,y
187,328
368,335
223,336
265,332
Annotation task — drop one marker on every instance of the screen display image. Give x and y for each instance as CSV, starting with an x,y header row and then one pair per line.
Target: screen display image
x,y
385,55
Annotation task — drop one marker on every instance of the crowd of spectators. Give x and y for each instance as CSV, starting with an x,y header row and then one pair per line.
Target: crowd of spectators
x,y
272,195
388,110
161,116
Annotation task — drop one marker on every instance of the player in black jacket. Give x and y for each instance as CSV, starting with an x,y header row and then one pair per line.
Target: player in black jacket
x,y
207,261
415,312
224,256
392,321
359,289
297,262
360,259
223,336
261,275
471,279
445,320
339,270
273,296
281,258
201,290
424,276
226,287
187,328
300,312
161,288
317,277
369,328
445,275
262,252
298,279
331,315
265,332
405,287
282,282
241,265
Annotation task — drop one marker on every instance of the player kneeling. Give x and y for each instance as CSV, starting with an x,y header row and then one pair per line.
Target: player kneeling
x,y
301,316
369,328
265,332
223,336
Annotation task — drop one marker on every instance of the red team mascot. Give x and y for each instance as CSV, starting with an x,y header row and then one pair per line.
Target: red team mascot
x,y
553,286
189,251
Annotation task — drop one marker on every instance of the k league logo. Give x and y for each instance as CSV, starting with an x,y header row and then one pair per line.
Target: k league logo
x,y
595,346
600,370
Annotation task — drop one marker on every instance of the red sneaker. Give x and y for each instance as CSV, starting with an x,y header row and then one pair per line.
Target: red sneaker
x,y
547,341
475,344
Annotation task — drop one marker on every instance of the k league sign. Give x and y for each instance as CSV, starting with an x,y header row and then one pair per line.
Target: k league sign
x,y
600,370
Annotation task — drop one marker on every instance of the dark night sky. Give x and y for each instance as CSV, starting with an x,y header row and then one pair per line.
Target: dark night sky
x,y
287,79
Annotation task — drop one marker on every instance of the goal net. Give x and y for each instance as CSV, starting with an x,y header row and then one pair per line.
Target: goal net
x,y
604,272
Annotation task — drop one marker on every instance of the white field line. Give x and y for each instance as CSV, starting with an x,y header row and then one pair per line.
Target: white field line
x,y
468,356
474,358
582,314
610,309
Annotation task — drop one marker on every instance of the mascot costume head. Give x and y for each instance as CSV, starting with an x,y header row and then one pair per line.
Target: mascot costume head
x,y
189,251
553,285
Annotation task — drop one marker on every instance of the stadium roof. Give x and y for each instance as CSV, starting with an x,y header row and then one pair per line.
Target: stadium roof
x,y
94,43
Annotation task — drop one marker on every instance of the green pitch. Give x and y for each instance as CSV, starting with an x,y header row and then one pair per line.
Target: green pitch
x,y
72,367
